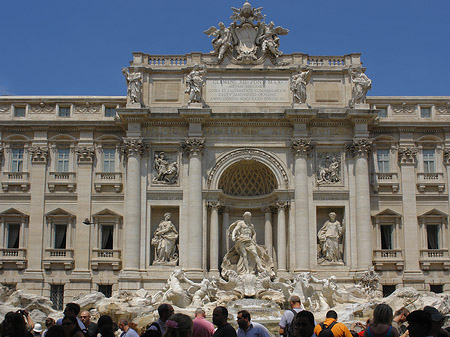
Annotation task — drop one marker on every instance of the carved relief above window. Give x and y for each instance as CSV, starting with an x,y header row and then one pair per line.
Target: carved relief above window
x,y
248,178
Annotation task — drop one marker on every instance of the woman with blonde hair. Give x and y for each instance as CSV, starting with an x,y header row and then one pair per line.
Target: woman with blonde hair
x,y
381,323
179,325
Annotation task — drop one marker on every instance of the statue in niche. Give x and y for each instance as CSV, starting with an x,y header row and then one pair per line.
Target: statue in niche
x,y
164,240
361,85
330,236
269,40
194,83
329,171
134,83
246,257
222,40
166,173
298,85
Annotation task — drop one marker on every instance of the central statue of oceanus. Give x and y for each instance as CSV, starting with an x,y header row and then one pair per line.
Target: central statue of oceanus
x,y
246,257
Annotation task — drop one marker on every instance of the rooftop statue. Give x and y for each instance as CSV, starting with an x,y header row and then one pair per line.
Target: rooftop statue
x,y
134,83
361,85
194,84
248,39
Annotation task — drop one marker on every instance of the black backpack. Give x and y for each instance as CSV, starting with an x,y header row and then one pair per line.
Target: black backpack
x,y
153,333
326,330
289,329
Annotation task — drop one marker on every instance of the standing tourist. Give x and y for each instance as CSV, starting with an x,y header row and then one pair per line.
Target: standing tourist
x,y
437,321
220,317
419,323
179,325
248,328
105,326
338,329
400,318
158,328
71,328
91,327
381,325
202,328
127,331
304,324
288,315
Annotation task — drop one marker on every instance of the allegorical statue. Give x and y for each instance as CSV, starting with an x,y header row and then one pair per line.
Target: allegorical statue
x,y
329,237
246,257
361,85
134,83
164,240
166,173
329,171
194,83
269,38
298,85
222,39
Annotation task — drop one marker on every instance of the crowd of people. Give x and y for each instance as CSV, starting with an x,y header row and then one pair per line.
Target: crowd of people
x,y
295,322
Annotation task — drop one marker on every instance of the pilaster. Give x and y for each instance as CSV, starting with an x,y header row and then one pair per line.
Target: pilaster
x,y
281,237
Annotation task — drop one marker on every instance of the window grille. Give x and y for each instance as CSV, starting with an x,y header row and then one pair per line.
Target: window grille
x,y
57,296
105,289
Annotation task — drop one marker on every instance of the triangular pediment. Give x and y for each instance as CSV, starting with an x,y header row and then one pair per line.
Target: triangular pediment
x,y
59,212
12,212
434,213
387,213
106,212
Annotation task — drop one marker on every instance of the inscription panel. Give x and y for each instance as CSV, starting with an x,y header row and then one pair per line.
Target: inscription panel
x,y
247,90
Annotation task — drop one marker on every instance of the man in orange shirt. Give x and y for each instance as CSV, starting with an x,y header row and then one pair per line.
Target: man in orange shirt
x,y
338,329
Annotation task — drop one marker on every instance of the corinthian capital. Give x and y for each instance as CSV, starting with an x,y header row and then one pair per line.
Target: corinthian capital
x,y
302,146
134,147
86,154
360,147
407,155
39,154
193,146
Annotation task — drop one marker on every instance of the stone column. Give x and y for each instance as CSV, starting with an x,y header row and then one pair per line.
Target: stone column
x,y
268,240
281,238
225,224
214,237
82,249
301,148
193,148
39,157
134,148
360,148
407,161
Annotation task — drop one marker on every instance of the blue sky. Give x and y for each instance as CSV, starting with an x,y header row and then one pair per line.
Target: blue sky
x,y
68,47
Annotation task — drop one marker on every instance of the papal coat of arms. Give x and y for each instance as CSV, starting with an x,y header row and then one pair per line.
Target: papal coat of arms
x,y
248,39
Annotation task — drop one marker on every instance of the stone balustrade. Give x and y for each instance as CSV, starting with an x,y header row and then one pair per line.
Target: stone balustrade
x,y
64,180
14,258
21,179
388,257
389,180
430,180
109,258
105,180
54,258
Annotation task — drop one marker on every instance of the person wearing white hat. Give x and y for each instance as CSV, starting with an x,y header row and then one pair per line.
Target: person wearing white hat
x,y
37,330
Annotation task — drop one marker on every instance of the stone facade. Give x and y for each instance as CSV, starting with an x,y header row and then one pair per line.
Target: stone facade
x,y
84,185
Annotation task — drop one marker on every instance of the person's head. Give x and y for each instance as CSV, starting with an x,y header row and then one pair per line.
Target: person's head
x,y
71,309
199,312
85,317
332,216
295,302
419,323
15,322
247,215
401,314
49,322
105,326
179,325
167,216
331,314
55,331
436,317
70,325
123,324
165,311
382,314
37,328
220,316
303,324
243,319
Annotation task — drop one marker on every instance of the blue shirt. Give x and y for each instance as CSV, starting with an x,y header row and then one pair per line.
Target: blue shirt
x,y
255,329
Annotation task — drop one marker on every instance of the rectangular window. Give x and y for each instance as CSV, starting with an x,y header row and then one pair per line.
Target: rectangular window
x,y
428,161
382,112
105,289
57,296
62,164
383,160
110,112
436,288
109,155
64,111
386,236
388,289
107,236
13,235
17,160
425,112
433,236
19,111
60,236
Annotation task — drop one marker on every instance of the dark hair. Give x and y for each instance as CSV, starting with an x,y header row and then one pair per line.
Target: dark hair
x,y
49,322
304,313
295,299
163,308
73,307
332,314
105,326
15,325
245,314
223,310
74,320
55,331
183,326
421,317
382,314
